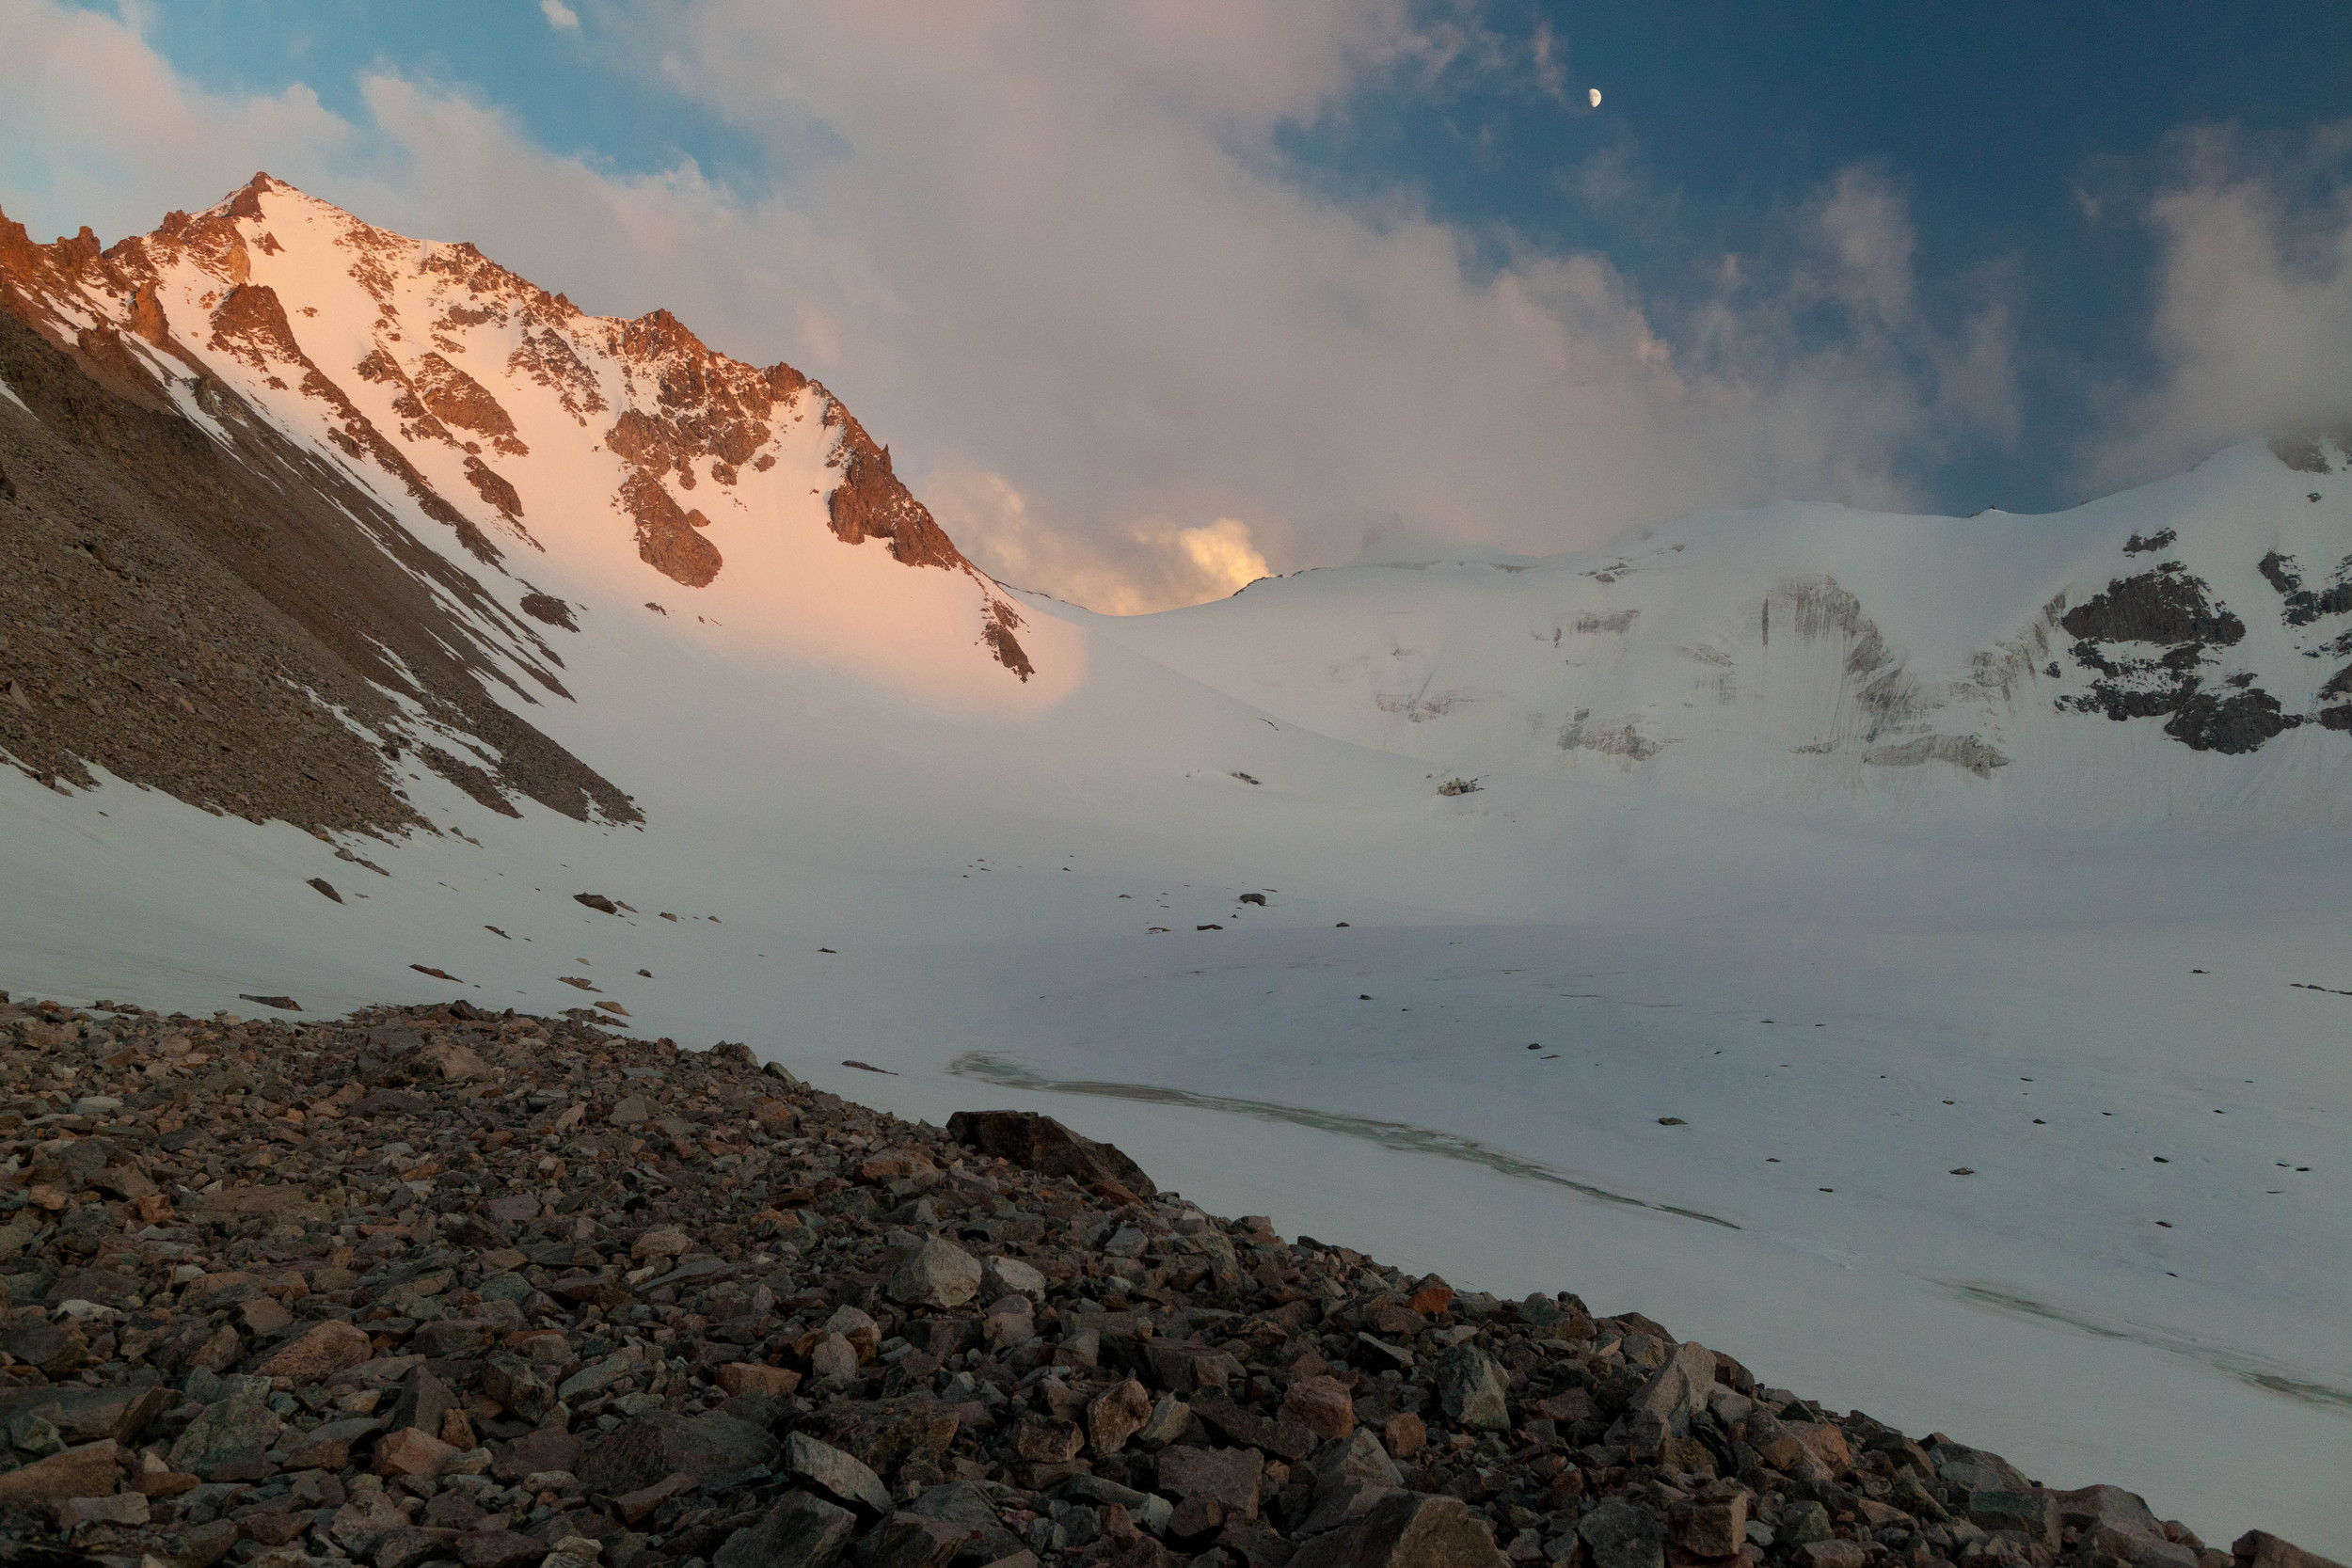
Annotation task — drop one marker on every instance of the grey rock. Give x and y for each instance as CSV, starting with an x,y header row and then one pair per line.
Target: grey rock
x,y
1171,1418
835,1474
908,1539
1009,1276
424,1402
965,1505
648,1448
1341,1504
1148,1509
1678,1390
1973,1469
1620,1535
1408,1529
1224,1476
937,1274
801,1531
2031,1514
88,1415
1473,1389
1803,1523
521,1386
231,1434
2090,1507
1356,1458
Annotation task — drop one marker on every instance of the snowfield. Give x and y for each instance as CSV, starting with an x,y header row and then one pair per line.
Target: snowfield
x,y
1815,964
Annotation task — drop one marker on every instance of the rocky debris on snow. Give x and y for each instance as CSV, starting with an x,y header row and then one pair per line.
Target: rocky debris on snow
x,y
430,1288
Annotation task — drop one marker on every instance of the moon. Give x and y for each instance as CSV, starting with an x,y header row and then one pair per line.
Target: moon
x,y
1595,98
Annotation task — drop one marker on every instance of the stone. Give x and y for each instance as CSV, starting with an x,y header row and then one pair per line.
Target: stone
x,y
1170,1419
1225,1476
231,1439
1341,1504
1407,1530
630,1110
329,1447
1804,1522
1674,1393
263,1315
1042,1440
219,1354
1713,1529
661,1242
2093,1507
120,1508
1045,1145
318,1354
1405,1435
1196,1519
534,1453
643,1449
1146,1508
834,1360
90,1470
406,1547
520,1385
598,1376
834,1474
497,1548
938,1274
1473,1389
631,1507
1321,1404
2261,1549
87,1414
756,1377
1360,1457
1832,1554
1009,1276
1616,1534
2031,1514
406,1451
424,1402
1117,1415
57,1349
1973,1469
910,1541
361,1525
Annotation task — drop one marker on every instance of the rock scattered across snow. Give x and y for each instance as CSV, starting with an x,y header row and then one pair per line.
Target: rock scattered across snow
x,y
430,1288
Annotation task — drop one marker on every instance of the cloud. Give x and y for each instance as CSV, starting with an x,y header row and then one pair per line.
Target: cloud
x,y
1054,256
1145,566
2253,318
95,128
560,16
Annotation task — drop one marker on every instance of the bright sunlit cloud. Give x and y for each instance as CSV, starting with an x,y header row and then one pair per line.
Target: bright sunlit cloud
x,y
1057,260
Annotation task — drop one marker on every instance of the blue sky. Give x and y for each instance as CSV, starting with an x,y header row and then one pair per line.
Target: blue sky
x,y
1931,257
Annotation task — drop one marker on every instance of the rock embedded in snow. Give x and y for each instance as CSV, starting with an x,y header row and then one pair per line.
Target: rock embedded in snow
x,y
733,1328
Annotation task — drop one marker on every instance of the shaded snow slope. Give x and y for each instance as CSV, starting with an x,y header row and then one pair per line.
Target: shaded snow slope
x,y
1783,829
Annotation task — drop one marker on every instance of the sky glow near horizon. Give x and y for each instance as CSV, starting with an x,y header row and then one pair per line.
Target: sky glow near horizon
x,y
1148,301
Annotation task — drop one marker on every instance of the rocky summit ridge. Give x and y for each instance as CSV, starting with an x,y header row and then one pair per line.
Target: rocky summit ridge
x,y
289,476
431,1286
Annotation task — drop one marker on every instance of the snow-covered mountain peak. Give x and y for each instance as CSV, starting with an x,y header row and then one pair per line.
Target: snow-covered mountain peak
x,y
494,408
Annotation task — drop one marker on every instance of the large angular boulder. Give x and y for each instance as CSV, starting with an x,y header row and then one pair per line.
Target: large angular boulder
x,y
1407,1529
801,1531
838,1475
1045,1145
1474,1389
639,1452
936,1274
